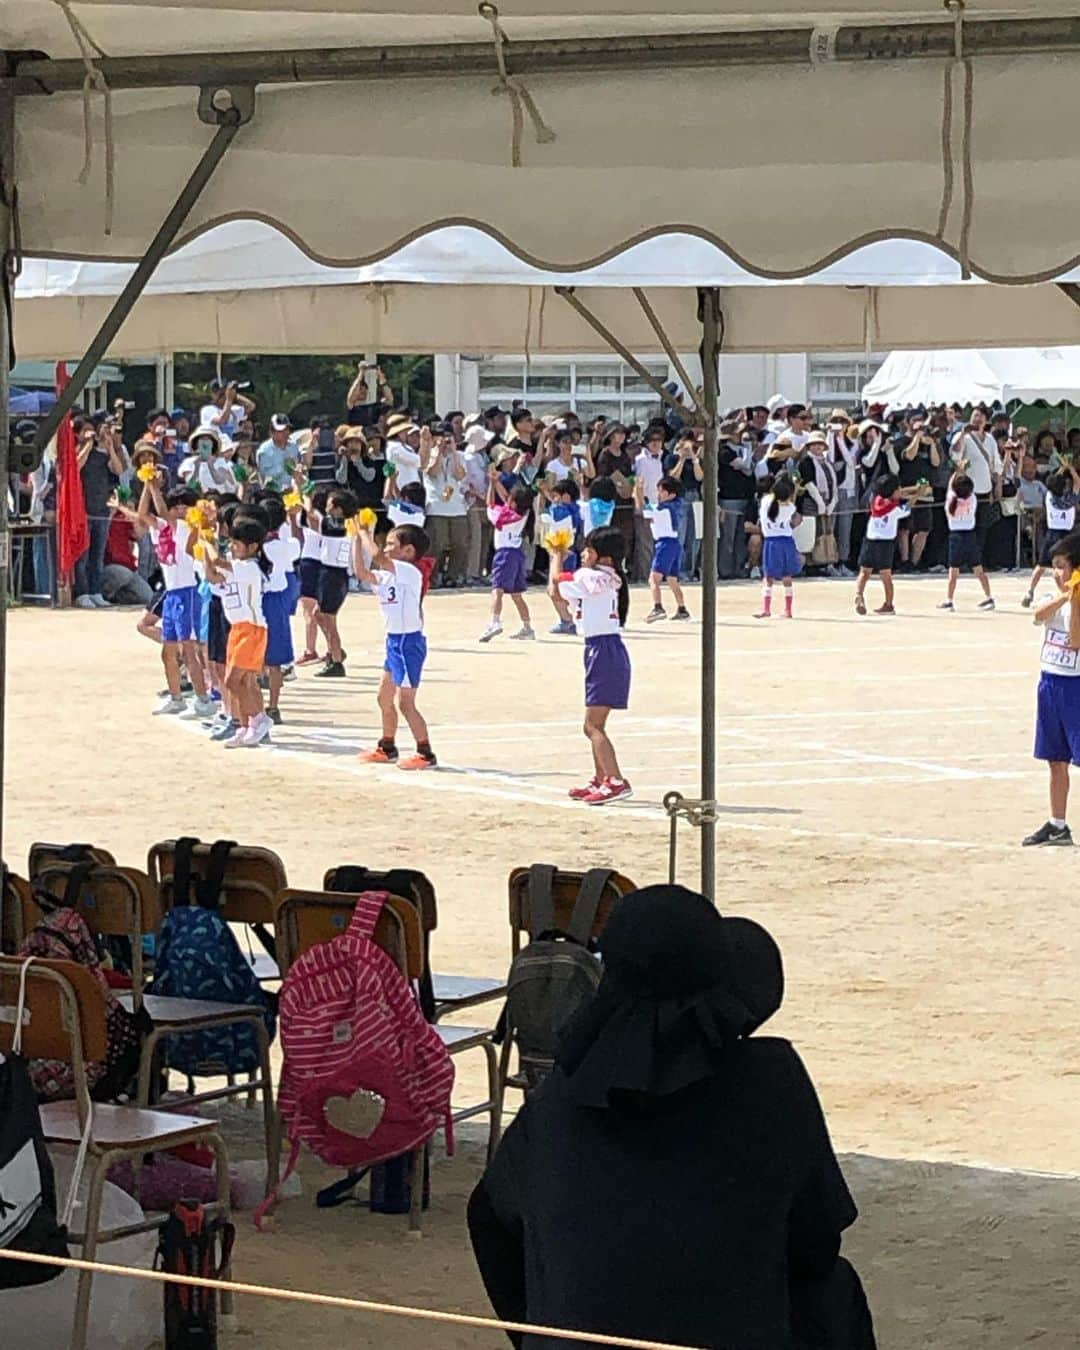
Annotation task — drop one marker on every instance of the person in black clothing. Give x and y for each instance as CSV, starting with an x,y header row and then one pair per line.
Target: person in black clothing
x,y
673,1178
100,465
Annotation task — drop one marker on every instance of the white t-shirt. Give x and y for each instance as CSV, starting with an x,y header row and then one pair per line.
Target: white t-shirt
x,y
885,527
595,592
404,513
650,469
180,574
242,600
510,534
983,459
1058,658
1059,517
282,554
406,461
335,551
399,593
781,527
961,516
445,492
312,547
560,471
199,473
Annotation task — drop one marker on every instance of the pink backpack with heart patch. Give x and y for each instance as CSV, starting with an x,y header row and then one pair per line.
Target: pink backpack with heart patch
x,y
352,1034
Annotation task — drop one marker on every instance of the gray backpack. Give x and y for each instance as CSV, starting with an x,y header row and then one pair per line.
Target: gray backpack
x,y
555,974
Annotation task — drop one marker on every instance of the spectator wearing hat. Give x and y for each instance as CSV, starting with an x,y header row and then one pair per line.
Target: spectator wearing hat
x,y
277,452
477,461
684,464
494,422
818,474
405,449
736,490
648,471
445,483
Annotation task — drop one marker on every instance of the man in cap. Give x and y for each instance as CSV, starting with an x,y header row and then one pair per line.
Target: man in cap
x,y
278,450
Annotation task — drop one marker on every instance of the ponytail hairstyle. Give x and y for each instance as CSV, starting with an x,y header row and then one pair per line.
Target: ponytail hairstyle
x,y
608,543
248,529
783,490
962,488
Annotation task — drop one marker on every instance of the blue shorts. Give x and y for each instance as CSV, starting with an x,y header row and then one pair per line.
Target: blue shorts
x,y
1057,721
405,657
279,648
181,611
292,590
780,558
204,611
667,555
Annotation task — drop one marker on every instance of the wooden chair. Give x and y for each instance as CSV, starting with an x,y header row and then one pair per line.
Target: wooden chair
x,y
44,855
17,912
249,889
452,993
62,1017
564,891
123,902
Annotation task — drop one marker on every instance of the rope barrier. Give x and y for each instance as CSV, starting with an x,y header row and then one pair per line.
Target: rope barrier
x,y
341,1301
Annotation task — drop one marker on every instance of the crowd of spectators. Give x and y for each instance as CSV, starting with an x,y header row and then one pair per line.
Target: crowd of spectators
x,y
445,461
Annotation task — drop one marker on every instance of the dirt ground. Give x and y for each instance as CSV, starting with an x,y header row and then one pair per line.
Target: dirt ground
x,y
875,780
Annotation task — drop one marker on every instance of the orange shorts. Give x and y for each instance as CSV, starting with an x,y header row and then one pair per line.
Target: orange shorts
x,y
247,648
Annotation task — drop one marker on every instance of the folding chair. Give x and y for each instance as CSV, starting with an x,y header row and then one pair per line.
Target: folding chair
x,y
450,993
59,1010
565,887
16,912
304,918
44,855
123,902
249,889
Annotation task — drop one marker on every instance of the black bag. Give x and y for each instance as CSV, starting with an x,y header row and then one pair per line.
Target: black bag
x,y
555,974
28,1221
192,1244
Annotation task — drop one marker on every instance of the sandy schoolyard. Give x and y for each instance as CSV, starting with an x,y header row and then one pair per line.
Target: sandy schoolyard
x,y
875,780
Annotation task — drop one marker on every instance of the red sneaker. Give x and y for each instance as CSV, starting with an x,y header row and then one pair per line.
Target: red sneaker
x,y
377,756
610,790
579,794
308,659
417,762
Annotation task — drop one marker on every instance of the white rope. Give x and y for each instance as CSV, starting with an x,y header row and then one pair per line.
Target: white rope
x,y
94,79
77,1170
521,101
20,1008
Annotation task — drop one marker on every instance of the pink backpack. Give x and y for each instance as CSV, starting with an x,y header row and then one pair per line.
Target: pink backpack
x,y
351,1027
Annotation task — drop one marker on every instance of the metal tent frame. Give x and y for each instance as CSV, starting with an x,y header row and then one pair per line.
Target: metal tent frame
x,y
226,84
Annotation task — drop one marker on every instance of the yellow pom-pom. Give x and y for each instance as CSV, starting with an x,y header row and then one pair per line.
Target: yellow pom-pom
x,y
292,500
366,518
199,552
147,472
351,528
1074,580
194,518
559,540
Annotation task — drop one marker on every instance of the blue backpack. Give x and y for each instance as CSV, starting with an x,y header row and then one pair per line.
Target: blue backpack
x,y
198,957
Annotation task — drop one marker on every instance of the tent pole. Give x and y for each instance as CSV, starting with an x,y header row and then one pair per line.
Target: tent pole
x,y
229,120
9,263
672,355
709,306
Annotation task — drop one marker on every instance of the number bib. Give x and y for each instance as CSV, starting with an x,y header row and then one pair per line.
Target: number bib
x,y
1056,652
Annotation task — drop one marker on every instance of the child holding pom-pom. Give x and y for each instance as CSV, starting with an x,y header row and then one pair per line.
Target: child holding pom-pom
x,y
1057,725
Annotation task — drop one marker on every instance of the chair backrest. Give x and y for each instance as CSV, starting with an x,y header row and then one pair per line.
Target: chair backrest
x,y
564,891
114,902
249,889
18,912
64,1017
44,855
423,893
304,918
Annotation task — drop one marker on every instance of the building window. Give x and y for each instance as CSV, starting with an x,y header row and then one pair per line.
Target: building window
x,y
836,381
589,386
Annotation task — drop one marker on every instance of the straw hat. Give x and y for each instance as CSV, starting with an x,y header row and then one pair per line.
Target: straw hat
x,y
816,438
142,450
839,415
346,433
399,425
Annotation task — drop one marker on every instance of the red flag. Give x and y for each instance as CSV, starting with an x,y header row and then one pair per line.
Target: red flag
x,y
73,536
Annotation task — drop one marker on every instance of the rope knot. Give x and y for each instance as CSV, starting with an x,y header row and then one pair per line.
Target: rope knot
x,y
510,86
93,81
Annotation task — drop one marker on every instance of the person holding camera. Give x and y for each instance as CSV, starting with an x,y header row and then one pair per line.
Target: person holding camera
x,y
100,464
736,491
975,452
919,461
361,410
684,465
227,408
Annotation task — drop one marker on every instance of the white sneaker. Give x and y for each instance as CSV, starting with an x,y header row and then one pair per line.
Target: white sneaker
x,y
85,602
238,741
198,709
259,730
100,601
755,574
493,630
524,634
170,707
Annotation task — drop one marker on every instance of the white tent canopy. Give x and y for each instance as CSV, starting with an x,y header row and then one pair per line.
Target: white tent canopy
x,y
1051,374
786,166
246,287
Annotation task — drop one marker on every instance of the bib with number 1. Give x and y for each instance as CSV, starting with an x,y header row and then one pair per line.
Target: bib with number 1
x,y
1057,652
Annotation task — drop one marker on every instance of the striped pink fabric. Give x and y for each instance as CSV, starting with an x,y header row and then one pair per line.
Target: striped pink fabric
x,y
348,1023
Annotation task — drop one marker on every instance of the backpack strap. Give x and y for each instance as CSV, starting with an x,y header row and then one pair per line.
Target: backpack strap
x,y
208,890
182,852
593,886
541,899
76,880
369,905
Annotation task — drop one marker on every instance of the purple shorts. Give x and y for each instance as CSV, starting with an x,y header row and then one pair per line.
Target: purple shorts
x,y
607,672
508,571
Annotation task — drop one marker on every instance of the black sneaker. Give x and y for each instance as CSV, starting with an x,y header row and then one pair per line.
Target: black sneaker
x,y
333,670
655,614
274,715
682,615
1049,834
